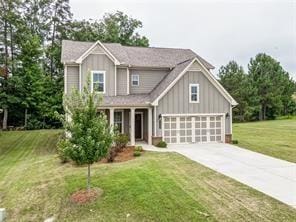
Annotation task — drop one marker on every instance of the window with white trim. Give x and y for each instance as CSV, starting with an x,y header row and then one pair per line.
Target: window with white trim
x,y
98,81
194,93
135,80
118,121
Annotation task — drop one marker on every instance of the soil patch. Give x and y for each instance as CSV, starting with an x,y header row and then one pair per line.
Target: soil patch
x,y
124,155
86,196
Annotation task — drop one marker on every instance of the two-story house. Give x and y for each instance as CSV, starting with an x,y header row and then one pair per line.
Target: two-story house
x,y
152,93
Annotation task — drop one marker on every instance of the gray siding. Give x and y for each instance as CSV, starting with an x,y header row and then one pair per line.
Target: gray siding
x,y
121,81
177,99
72,78
103,63
148,80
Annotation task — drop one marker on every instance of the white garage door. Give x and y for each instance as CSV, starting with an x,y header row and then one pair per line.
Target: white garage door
x,y
193,129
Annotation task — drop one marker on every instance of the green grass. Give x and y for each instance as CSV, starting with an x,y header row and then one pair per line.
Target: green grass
x,y
275,138
34,185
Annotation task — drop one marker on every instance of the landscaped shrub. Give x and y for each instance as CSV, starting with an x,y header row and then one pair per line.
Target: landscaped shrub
x,y
112,154
63,151
234,141
121,141
162,144
139,148
137,153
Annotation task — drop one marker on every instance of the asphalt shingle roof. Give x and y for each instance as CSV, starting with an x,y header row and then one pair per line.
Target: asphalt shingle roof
x,y
132,55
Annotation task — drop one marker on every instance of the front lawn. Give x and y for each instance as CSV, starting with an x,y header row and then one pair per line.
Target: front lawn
x,y
275,138
153,187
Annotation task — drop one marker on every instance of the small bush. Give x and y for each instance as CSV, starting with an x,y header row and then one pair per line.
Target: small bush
x,y
234,141
162,144
63,150
121,141
139,148
137,153
112,154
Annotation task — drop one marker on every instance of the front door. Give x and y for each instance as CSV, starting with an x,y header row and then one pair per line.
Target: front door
x,y
138,126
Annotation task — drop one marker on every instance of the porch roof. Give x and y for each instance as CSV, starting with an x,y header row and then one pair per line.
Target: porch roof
x,y
127,100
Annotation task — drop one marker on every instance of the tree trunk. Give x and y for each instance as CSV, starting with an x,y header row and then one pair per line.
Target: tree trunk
x,y
261,113
264,112
5,117
88,177
5,46
11,48
26,118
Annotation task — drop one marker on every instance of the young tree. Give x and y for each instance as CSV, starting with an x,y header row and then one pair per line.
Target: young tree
x,y
88,135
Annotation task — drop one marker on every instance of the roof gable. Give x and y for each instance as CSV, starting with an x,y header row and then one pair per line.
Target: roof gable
x,y
176,74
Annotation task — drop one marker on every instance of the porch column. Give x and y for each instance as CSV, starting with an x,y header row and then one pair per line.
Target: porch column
x,y
111,116
150,126
132,132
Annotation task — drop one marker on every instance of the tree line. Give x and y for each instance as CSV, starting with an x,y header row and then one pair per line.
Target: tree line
x,y
264,92
31,74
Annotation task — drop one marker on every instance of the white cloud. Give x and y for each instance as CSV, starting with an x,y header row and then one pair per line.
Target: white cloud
x,y
217,30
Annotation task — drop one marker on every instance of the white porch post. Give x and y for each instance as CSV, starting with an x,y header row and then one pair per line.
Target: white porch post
x,y
150,126
132,132
111,116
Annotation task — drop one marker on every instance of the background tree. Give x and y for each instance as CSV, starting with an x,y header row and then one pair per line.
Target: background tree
x,y
235,81
270,82
89,135
117,28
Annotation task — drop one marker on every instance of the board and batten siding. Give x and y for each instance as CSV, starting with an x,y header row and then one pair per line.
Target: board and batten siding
x,y
176,101
103,63
148,80
121,81
72,78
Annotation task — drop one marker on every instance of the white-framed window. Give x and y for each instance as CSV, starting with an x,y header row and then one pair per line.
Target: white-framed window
x,y
98,81
118,121
135,80
194,93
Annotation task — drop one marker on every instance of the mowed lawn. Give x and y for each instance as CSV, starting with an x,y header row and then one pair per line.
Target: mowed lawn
x,y
34,185
275,138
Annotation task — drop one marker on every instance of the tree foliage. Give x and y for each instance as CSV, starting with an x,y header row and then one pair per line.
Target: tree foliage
x,y
263,93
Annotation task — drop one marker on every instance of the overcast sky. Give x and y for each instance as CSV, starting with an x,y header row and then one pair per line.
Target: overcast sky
x,y
219,31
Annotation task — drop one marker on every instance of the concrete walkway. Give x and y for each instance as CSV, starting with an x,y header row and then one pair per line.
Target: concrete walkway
x,y
274,177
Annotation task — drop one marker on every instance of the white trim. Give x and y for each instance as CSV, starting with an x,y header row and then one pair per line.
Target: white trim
x,y
210,77
104,74
138,79
65,79
197,92
154,110
142,125
150,121
122,119
80,79
127,81
194,114
87,52
230,116
115,81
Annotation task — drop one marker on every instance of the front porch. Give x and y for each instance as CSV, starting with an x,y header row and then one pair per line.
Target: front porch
x,y
135,122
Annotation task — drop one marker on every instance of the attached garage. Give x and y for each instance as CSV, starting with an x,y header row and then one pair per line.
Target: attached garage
x,y
189,128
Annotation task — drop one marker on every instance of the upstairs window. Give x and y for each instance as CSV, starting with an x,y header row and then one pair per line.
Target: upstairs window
x,y
135,80
194,93
98,81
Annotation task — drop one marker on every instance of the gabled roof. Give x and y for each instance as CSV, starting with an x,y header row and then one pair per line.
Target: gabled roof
x,y
131,55
171,78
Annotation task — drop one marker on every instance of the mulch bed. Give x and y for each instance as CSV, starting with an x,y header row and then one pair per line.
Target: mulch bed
x,y
125,155
86,196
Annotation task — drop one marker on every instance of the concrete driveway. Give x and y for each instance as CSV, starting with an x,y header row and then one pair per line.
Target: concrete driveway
x,y
274,177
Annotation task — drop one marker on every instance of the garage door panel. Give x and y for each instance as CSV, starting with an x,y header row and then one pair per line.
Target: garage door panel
x,y
192,129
